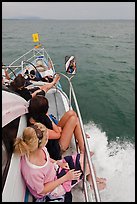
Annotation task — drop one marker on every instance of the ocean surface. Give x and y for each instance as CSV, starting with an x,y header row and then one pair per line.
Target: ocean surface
x,y
104,86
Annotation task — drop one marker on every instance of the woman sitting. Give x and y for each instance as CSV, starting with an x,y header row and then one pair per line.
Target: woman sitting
x,y
43,175
34,75
59,134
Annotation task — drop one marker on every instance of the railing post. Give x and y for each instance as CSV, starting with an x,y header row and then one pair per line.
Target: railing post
x,y
97,196
96,192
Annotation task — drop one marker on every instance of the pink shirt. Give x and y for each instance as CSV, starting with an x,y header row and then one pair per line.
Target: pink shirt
x,y
36,176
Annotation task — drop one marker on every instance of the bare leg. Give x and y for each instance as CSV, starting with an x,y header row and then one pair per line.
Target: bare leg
x,y
100,181
66,117
67,132
75,128
79,137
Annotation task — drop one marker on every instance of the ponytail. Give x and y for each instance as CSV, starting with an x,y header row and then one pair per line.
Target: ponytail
x,y
20,147
30,140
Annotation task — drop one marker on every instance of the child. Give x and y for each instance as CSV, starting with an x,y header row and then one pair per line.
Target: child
x,y
43,175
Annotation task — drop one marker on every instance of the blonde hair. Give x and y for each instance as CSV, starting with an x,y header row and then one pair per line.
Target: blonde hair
x,y
30,141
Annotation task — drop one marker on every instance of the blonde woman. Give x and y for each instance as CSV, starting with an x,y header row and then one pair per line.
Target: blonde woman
x,y
43,175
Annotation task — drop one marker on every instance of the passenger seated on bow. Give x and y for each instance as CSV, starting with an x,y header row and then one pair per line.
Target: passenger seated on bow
x,y
34,75
18,85
43,175
41,65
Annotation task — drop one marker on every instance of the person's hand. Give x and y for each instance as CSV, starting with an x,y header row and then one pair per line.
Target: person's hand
x,y
57,78
73,175
62,164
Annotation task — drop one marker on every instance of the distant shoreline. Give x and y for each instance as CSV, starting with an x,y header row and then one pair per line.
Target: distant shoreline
x,y
68,19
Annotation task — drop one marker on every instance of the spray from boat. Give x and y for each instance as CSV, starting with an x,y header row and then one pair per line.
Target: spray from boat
x,y
114,161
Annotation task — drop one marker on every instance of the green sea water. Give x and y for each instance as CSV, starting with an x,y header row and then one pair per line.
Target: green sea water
x,y
105,56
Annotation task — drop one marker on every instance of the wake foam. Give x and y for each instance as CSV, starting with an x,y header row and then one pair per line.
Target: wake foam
x,y
114,161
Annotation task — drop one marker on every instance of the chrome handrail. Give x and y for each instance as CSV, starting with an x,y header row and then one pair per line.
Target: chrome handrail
x,y
87,150
27,57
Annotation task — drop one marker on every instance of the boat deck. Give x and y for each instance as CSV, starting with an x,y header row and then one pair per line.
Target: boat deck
x,y
56,107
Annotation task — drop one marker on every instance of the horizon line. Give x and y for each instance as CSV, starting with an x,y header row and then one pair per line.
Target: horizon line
x,y
35,18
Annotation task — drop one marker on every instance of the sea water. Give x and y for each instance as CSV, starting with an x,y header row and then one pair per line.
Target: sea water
x,y
104,86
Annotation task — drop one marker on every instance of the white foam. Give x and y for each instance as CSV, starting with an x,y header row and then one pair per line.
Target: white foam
x,y
115,162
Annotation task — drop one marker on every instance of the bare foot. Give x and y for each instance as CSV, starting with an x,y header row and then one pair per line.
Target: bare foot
x,y
87,136
91,153
101,186
101,180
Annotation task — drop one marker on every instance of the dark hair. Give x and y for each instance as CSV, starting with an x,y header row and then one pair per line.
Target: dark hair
x,y
32,72
18,82
38,107
38,104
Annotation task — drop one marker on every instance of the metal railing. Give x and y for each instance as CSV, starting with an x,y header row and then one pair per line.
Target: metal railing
x,y
87,156
30,56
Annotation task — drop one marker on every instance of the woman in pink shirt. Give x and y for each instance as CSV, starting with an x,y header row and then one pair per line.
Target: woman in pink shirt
x,y
43,175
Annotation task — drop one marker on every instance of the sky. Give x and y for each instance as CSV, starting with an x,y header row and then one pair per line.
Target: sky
x,y
68,10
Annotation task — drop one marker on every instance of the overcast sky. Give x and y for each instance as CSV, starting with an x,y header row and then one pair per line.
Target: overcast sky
x,y
69,10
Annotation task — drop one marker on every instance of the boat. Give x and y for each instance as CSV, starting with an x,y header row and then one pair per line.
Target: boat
x,y
14,120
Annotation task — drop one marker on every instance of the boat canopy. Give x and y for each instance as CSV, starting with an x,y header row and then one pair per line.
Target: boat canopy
x,y
13,106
